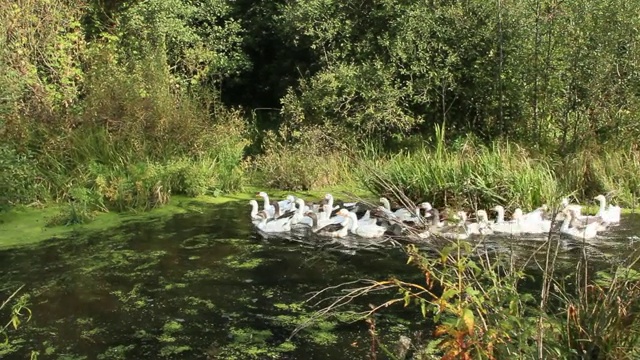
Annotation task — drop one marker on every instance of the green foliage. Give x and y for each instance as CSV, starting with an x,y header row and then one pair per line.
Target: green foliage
x,y
549,74
17,176
40,60
601,318
469,175
201,40
362,99
305,160
18,311
79,209
478,309
482,306
138,85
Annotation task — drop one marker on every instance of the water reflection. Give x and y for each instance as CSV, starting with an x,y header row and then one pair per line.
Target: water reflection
x,y
207,286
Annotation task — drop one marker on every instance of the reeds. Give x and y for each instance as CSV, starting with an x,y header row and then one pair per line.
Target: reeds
x,y
609,171
309,161
470,174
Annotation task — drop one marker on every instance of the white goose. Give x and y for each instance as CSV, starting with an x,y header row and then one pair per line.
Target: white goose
x,y
517,214
323,219
401,214
505,227
610,214
284,204
417,217
256,218
365,231
533,216
274,225
366,219
482,226
331,230
585,232
577,209
329,208
533,222
299,215
449,231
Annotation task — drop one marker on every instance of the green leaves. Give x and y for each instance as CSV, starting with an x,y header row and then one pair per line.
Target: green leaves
x,y
202,41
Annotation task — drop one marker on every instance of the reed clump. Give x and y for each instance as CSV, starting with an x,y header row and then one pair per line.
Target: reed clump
x,y
608,171
303,161
469,174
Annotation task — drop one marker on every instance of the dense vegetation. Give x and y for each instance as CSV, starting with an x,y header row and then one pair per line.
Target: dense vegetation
x,y
117,105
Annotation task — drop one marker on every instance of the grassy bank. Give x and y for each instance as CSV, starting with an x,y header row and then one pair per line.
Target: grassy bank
x,y
100,179
469,174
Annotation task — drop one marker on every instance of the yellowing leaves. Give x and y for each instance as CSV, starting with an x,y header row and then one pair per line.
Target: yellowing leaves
x,y
468,319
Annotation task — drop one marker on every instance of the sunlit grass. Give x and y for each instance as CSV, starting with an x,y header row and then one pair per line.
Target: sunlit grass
x,y
469,175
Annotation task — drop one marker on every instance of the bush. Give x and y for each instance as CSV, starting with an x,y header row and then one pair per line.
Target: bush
x,y
307,160
18,178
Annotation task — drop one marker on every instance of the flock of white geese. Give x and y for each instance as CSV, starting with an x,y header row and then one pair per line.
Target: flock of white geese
x,y
338,219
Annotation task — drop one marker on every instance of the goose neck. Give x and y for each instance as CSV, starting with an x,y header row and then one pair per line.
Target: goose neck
x,y
254,209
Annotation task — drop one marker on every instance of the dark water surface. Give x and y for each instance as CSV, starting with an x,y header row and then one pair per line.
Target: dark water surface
x,y
206,286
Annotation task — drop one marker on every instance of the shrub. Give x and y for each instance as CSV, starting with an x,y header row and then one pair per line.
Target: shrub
x,y
307,160
18,178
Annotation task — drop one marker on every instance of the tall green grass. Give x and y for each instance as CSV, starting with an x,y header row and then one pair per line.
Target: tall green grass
x,y
310,161
469,175
609,171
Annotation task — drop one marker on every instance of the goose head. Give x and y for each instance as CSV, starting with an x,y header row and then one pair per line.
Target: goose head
x,y
426,206
427,209
386,203
261,194
600,198
344,213
517,214
461,216
482,216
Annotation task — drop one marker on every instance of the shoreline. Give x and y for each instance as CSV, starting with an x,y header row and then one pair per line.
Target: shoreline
x,y
22,226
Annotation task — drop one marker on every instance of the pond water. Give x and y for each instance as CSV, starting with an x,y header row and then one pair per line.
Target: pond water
x,y
207,286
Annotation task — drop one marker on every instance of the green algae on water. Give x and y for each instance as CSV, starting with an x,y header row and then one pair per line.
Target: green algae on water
x,y
240,262
116,352
25,225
